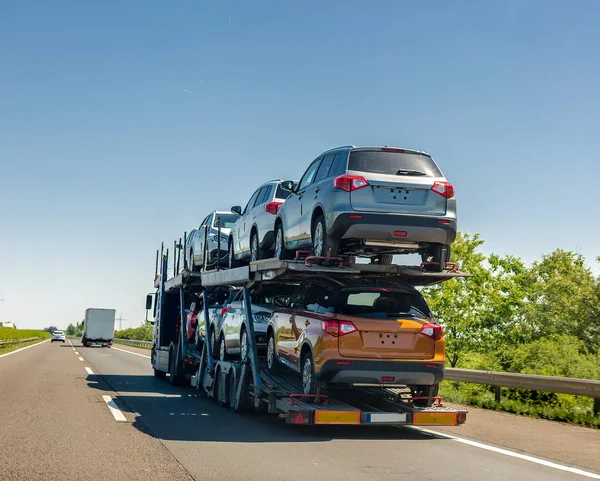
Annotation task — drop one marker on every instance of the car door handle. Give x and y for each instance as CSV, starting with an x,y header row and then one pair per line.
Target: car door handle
x,y
317,190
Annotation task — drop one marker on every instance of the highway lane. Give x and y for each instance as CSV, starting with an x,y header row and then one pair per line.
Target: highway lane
x,y
213,443
54,424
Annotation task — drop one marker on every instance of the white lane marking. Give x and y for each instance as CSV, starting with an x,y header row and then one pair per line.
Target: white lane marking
x,y
114,410
129,352
76,353
23,348
89,370
80,358
512,454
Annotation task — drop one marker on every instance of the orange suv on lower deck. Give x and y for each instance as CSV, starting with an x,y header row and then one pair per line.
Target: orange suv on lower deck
x,y
358,332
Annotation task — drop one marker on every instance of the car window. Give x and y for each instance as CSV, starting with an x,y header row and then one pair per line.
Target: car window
x,y
296,300
381,304
282,194
319,299
266,194
323,172
395,162
227,220
251,202
309,175
338,166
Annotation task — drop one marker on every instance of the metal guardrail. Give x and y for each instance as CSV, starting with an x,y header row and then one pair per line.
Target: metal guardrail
x,y
133,341
565,385
15,341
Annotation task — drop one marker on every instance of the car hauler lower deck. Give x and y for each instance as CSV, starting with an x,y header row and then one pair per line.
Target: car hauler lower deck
x,y
246,384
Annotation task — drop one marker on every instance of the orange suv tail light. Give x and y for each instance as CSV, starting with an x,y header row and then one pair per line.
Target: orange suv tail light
x,y
338,328
434,331
349,183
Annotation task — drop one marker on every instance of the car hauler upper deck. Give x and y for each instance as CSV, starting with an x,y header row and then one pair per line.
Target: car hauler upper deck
x,y
247,384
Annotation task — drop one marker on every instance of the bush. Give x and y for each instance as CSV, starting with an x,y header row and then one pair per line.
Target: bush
x,y
141,333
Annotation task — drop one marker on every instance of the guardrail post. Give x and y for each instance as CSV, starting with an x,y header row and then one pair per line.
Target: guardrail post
x,y
597,406
498,393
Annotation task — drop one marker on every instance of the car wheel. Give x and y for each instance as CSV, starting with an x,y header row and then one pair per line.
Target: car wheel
x,y
256,253
273,365
231,260
309,379
244,345
322,242
192,267
222,349
281,252
428,392
198,340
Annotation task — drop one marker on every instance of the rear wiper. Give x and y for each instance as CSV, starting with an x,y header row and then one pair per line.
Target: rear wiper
x,y
410,172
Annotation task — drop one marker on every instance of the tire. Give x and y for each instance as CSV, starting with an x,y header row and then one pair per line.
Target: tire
x,y
198,341
51,341
383,259
256,251
193,268
159,374
222,349
437,252
244,345
175,379
425,391
322,242
232,263
309,379
273,364
281,252
213,342
231,389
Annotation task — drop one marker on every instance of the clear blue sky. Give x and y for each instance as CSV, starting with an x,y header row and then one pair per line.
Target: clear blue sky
x,y
125,123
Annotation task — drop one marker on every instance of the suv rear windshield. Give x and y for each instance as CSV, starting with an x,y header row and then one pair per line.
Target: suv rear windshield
x,y
393,163
381,303
282,194
227,220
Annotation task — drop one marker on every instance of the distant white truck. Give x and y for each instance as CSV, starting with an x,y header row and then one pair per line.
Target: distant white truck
x,y
98,327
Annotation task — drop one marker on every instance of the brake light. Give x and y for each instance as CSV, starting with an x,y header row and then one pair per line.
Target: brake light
x,y
387,379
349,183
223,310
391,149
443,221
434,331
338,328
273,207
445,189
355,216
399,233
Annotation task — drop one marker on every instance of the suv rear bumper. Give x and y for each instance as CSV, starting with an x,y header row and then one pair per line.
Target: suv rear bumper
x,y
371,372
381,227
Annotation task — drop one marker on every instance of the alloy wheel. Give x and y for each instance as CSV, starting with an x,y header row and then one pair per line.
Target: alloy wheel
x,y
318,240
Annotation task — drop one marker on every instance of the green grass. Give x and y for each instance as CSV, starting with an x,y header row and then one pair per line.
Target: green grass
x,y
6,333
556,407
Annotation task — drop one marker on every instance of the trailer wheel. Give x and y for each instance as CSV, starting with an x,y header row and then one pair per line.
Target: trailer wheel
x,y
245,400
232,388
159,374
174,378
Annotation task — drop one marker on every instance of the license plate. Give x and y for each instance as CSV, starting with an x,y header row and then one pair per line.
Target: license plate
x,y
337,417
386,418
434,419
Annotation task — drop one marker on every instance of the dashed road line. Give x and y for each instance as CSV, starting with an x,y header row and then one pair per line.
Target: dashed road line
x,y
76,353
80,358
89,370
506,452
114,410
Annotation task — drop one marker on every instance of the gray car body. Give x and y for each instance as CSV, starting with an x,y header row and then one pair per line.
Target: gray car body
x,y
254,218
375,230
195,242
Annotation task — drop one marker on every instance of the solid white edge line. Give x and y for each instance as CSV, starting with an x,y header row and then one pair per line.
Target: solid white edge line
x,y
129,352
89,370
80,358
512,454
114,410
23,348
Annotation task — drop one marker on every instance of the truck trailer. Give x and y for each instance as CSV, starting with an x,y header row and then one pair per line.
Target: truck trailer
x,y
98,327
246,385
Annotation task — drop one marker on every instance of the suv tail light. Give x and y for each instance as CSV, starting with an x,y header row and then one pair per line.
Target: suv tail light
x,y
445,189
273,207
338,328
350,182
434,331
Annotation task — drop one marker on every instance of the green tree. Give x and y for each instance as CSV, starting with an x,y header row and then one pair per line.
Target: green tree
x,y
51,329
71,330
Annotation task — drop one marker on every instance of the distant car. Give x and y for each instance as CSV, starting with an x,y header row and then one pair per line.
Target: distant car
x,y
373,202
195,245
232,341
251,237
57,336
358,331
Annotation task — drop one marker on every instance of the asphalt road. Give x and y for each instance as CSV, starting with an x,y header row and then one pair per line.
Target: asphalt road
x,y
54,424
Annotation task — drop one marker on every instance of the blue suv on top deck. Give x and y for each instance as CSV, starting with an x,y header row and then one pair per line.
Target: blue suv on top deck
x,y
369,201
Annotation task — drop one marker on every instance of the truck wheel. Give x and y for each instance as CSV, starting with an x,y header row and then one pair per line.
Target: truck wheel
x,y
174,378
159,374
429,392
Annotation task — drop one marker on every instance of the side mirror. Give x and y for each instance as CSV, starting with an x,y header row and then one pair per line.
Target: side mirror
x,y
149,302
288,185
236,209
